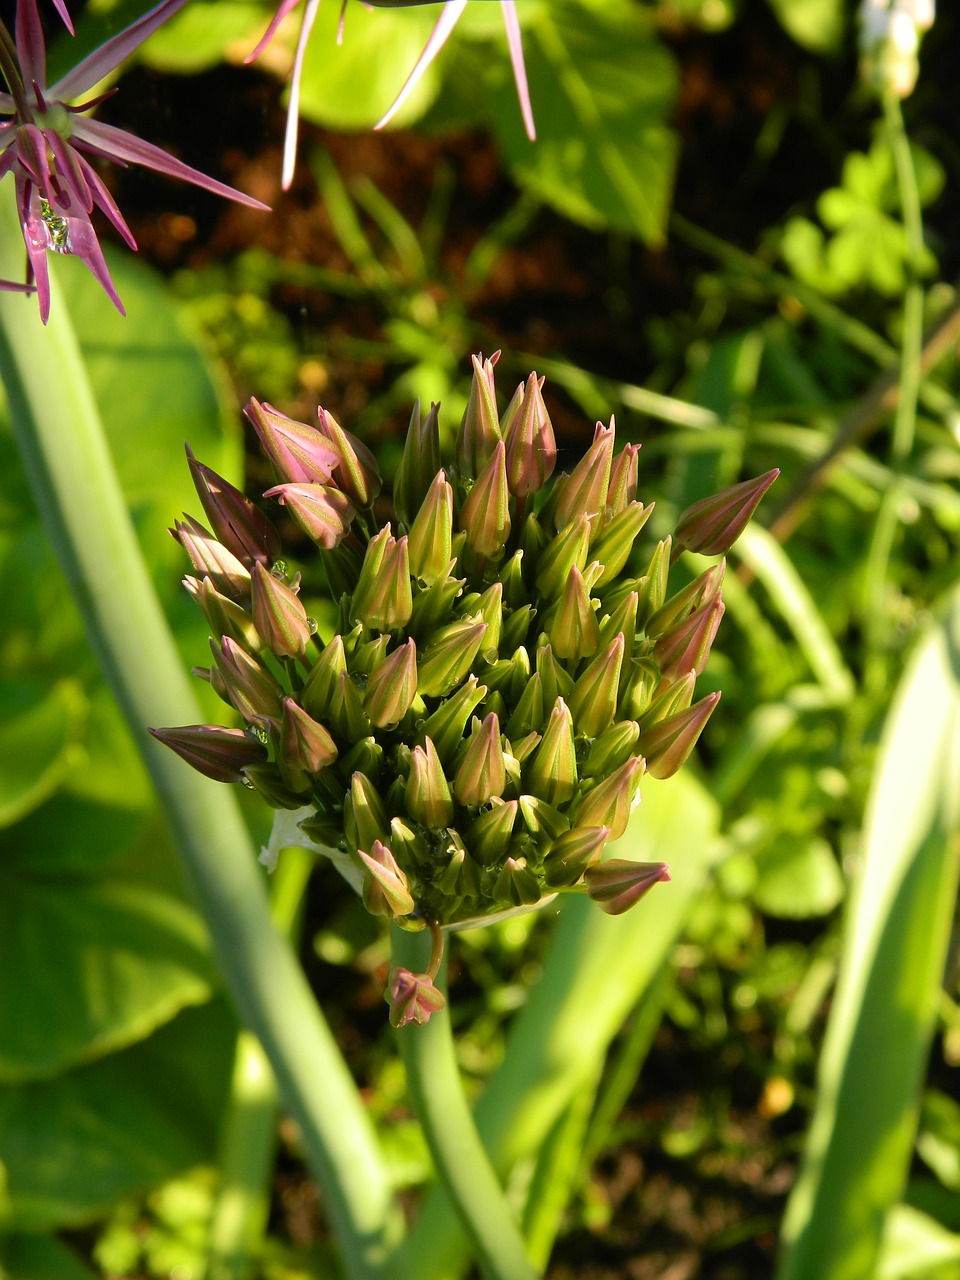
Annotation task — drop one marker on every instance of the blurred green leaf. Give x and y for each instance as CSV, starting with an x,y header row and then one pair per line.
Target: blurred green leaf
x,y
38,743
859,1147
203,35
603,87
916,1247
939,1142
75,1144
799,878
816,24
32,1257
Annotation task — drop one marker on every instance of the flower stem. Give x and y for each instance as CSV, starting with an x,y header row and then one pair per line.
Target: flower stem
x,y
58,429
462,1164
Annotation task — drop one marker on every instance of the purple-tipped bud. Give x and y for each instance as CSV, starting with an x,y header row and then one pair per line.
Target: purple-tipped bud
x,y
593,702
225,616
482,774
357,473
542,820
300,454
431,534
572,853
551,772
280,618
530,444
447,724
667,744
412,997
584,491
251,688
612,749
488,838
322,512
567,549
211,558
365,819
669,697
449,657
428,795
238,524
713,525
681,604
609,804
320,686
615,885
517,884
573,628
623,479
419,464
392,687
485,516
383,600
217,753
386,890
687,647
616,541
479,431
305,746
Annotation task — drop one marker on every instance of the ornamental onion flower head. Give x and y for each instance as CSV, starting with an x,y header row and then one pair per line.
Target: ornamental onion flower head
x,y
48,137
507,663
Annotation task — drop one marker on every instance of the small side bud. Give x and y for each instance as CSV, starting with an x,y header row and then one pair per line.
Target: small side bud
x,y
412,997
217,753
712,525
667,744
615,885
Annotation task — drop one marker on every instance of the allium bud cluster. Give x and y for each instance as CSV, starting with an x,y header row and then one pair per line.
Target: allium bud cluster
x,y
507,661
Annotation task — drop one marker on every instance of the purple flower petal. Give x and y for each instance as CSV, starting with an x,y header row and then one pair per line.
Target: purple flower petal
x,y
293,110
438,38
61,8
31,50
512,23
286,7
69,169
105,201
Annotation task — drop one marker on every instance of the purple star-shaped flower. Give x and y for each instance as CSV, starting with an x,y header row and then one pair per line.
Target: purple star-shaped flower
x,y
46,142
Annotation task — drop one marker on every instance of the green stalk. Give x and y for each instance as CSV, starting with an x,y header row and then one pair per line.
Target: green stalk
x,y
462,1164
61,439
246,1160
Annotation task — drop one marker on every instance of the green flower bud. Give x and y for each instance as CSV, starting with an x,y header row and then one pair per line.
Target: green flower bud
x,y
610,802
321,685
615,885
266,779
356,473
623,480
687,647
280,618
217,753
488,836
211,559
485,515
531,709
487,608
365,820
224,616
653,590
611,749
584,492
670,696
566,551
409,846
551,772
616,540
516,627
556,682
449,657
299,453
447,724
428,795
572,853
251,688
346,716
593,699
700,591
383,599
713,525
305,746
482,774
638,685
542,819
621,622
517,884
531,450
431,534
386,890
412,997
479,431
573,628
668,743
392,687
419,464
240,526
515,591
461,877
323,513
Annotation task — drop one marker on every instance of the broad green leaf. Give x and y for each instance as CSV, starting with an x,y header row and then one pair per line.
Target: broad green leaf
x,y
38,743
602,87
799,878
32,1257
75,1144
351,85
917,1247
816,24
101,957
203,35
860,1142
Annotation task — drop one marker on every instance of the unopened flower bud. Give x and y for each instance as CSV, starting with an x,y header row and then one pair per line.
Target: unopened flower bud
x,y
542,820
573,628
485,516
572,853
482,775
431,534
392,687
567,549
447,724
357,473
305,746
622,491
517,884
346,716
449,657
653,590
616,540
224,616
322,512
713,525
211,559
251,688
386,890
687,647
488,837
584,491
428,795
266,779
300,454
280,618
320,687
383,600
412,997
611,749
531,450
480,430
667,744
615,885
610,802
552,770
702,590
365,820
556,682
237,523
217,753
593,700
419,464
